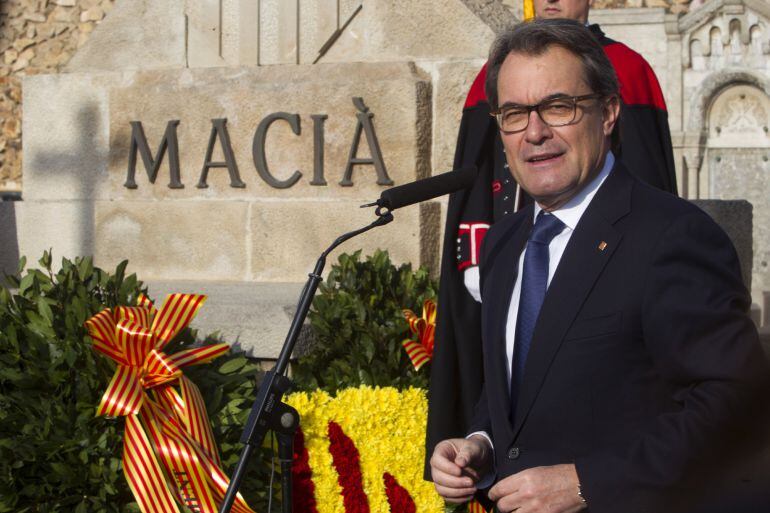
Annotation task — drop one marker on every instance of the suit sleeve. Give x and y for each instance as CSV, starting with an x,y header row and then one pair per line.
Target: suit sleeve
x,y
706,348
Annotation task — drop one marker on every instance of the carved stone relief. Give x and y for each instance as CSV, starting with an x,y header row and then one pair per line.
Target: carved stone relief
x,y
734,36
739,118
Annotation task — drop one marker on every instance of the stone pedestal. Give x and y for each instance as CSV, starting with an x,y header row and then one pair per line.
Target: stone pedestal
x,y
254,317
735,218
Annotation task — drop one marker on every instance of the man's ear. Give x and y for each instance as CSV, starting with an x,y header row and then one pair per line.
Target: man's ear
x,y
611,112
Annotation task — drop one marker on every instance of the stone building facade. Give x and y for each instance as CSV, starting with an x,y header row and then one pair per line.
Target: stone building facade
x,y
40,36
281,117
36,36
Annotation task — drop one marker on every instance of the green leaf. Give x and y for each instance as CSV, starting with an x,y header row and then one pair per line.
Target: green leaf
x,y
233,365
45,260
5,296
26,282
120,271
44,309
22,264
86,268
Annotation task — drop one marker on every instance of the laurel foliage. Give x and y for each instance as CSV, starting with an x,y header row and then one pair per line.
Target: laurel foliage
x,y
55,454
358,325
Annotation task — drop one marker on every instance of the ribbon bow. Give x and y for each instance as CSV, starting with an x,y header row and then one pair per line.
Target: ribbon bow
x,y
420,351
169,451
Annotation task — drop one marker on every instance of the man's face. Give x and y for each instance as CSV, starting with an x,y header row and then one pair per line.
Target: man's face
x,y
570,9
554,163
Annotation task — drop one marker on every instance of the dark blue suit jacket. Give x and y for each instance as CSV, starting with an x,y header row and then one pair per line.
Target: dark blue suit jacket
x,y
643,359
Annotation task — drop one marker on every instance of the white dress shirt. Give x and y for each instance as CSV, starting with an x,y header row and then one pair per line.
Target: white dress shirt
x,y
569,214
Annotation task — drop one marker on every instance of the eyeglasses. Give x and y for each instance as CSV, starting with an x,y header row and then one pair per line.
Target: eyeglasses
x,y
560,111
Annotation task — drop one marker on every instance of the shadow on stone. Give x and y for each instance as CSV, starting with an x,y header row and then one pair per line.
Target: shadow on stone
x,y
78,164
9,240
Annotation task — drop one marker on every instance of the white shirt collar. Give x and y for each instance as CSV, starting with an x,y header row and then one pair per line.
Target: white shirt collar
x,y
571,212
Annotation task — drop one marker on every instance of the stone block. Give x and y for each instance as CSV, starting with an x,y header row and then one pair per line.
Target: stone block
x,y
240,39
65,125
136,34
764,339
431,236
204,33
347,7
287,238
406,30
735,217
64,226
180,240
350,44
318,19
9,242
744,174
452,83
278,36
642,30
765,309
396,94
500,14
253,317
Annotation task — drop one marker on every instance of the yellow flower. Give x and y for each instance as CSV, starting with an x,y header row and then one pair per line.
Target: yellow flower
x,y
388,429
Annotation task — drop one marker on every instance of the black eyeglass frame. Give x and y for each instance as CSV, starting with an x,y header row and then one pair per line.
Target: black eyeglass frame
x,y
536,107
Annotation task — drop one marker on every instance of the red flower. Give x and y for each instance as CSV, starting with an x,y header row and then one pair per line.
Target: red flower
x,y
303,488
348,465
398,497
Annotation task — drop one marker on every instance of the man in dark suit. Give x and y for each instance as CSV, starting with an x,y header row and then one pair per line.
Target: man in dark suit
x,y
645,149
618,355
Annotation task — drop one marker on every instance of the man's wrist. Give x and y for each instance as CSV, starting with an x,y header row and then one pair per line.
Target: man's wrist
x,y
487,477
482,437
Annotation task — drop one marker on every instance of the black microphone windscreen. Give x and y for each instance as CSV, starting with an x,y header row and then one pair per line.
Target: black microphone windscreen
x,y
428,188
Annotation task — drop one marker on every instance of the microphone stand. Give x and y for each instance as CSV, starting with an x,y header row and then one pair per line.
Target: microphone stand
x,y
269,412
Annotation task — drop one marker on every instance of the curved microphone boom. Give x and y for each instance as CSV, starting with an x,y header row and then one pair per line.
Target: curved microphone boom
x,y
423,190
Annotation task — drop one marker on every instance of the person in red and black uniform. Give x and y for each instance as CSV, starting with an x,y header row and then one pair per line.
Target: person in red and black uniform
x,y
642,142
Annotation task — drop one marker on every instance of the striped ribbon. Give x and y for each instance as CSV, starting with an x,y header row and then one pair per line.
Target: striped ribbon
x,y
169,454
475,506
420,351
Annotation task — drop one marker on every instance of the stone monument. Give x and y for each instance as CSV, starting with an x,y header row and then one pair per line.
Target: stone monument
x,y
220,146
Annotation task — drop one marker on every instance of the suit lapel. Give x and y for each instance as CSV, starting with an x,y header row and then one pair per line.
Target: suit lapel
x,y
504,259
589,249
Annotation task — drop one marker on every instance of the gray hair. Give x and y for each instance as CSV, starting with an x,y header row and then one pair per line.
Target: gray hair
x,y
536,37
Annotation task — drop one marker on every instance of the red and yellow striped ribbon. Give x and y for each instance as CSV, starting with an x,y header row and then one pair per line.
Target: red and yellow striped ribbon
x,y
169,454
475,506
420,351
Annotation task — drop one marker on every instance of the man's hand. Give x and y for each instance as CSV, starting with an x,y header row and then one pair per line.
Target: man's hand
x,y
457,465
551,489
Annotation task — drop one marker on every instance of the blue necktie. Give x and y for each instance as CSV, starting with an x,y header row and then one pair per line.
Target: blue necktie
x,y
534,282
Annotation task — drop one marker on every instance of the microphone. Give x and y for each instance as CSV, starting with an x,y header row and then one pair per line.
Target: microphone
x,y
428,188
